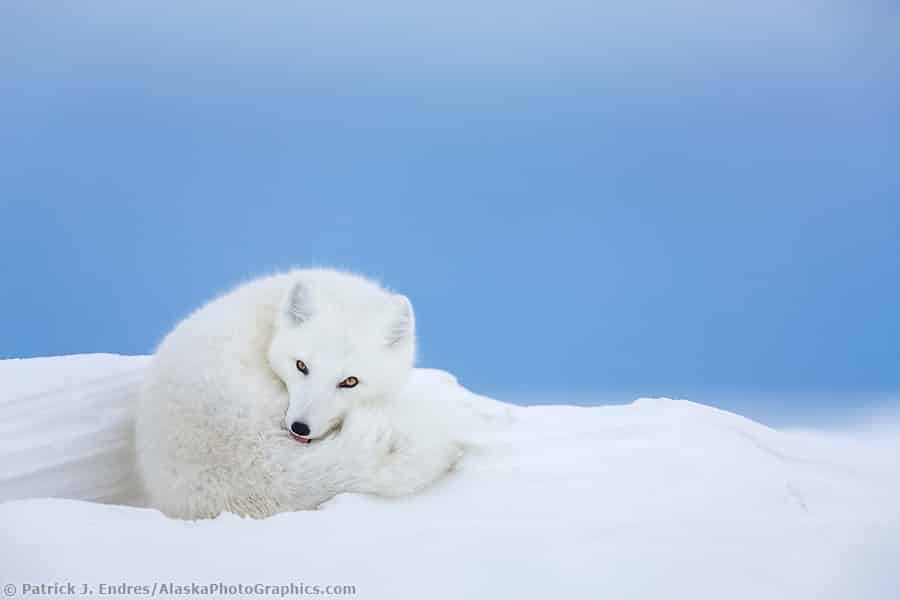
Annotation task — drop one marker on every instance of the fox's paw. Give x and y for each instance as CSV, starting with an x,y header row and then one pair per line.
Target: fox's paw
x,y
409,469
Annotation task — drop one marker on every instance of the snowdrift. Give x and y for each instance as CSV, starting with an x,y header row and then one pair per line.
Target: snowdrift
x,y
653,499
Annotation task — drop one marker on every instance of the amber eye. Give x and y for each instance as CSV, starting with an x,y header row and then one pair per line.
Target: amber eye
x,y
301,366
349,382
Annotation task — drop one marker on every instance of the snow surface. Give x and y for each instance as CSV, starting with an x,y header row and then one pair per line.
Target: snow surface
x,y
653,499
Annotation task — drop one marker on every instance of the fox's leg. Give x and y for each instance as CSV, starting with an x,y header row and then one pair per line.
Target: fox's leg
x,y
408,467
366,456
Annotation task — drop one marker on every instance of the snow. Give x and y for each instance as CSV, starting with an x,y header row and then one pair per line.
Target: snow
x,y
654,499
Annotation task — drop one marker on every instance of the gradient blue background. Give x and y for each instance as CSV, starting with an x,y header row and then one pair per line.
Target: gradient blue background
x,y
583,203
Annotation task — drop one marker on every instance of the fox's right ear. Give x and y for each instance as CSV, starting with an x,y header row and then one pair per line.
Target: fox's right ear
x,y
296,307
403,323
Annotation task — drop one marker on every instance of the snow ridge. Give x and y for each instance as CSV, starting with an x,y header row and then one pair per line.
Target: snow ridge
x,y
658,498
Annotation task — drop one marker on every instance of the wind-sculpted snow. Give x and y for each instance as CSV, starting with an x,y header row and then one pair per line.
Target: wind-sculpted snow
x,y
66,427
653,499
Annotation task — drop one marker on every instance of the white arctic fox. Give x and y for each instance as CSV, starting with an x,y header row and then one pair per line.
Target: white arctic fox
x,y
283,393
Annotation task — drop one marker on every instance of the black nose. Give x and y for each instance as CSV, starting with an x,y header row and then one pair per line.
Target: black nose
x,y
300,428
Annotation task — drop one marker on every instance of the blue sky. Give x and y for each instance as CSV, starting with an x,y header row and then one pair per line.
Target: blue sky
x,y
663,198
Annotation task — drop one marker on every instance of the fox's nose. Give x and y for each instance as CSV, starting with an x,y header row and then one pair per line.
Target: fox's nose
x,y
299,428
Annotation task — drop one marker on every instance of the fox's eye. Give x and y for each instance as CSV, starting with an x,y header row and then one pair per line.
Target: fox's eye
x,y
349,382
301,366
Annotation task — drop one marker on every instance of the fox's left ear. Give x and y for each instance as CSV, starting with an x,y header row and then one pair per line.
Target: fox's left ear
x,y
403,321
296,308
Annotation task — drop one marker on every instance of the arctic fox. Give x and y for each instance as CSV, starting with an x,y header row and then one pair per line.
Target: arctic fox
x,y
283,393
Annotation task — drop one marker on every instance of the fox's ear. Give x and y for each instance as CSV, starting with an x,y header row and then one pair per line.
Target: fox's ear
x,y
403,321
297,307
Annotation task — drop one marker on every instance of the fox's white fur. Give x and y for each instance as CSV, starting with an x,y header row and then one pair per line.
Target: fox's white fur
x,y
224,388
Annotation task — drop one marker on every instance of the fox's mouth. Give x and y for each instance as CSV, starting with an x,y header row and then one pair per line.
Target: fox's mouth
x,y
303,439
